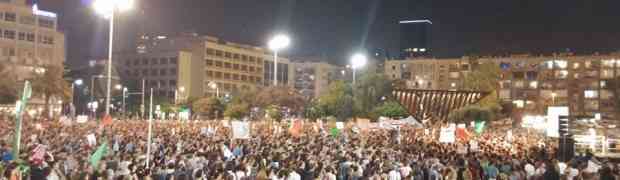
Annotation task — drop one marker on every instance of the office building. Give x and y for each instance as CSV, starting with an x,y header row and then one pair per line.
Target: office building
x,y
29,38
186,65
415,38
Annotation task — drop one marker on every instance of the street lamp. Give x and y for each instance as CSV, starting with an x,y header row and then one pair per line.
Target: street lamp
x,y
213,85
124,96
108,8
118,87
358,60
77,82
277,43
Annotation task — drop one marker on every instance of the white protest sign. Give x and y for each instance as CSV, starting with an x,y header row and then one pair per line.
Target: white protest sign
x,y
340,125
82,119
240,130
446,135
91,139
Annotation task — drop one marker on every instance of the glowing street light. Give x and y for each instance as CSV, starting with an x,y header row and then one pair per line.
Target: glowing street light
x,y
213,85
108,8
276,44
358,60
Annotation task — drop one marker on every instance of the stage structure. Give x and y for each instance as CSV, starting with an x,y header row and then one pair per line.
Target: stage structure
x,y
437,104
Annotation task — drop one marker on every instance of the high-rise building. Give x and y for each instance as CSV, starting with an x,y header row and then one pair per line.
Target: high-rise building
x,y
29,39
186,65
415,38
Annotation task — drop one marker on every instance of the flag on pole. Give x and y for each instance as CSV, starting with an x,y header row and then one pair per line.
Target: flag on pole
x,y
295,129
479,127
335,132
96,157
19,110
107,120
38,154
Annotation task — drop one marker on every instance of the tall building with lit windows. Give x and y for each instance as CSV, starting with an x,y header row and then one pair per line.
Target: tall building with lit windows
x,y
531,83
185,65
29,38
415,38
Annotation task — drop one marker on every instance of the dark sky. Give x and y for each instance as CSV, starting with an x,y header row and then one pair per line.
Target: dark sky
x,y
335,28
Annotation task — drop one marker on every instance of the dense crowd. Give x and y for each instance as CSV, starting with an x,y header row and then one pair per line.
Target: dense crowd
x,y
205,150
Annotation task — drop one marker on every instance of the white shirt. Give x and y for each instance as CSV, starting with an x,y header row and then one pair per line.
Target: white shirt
x,y
394,175
529,170
571,173
293,176
405,171
331,176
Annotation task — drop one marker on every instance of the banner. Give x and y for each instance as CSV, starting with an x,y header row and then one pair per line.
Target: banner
x,y
240,130
340,125
38,154
462,133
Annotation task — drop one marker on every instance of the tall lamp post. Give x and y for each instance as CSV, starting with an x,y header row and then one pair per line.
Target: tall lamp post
x,y
108,8
74,102
358,60
277,43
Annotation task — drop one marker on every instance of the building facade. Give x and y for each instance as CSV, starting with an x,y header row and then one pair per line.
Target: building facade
x,y
531,83
311,79
29,38
190,65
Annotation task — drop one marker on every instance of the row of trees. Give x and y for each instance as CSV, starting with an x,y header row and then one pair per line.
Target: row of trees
x,y
47,83
369,97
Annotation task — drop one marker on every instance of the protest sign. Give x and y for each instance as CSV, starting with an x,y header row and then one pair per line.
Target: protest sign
x,y
241,130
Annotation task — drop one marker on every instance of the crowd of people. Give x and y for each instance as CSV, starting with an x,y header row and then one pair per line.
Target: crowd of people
x,y
205,150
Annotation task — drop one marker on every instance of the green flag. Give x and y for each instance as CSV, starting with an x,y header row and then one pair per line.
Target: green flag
x,y
19,110
96,157
479,127
335,132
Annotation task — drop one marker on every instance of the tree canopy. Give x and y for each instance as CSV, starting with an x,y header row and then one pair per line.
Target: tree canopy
x,y
485,77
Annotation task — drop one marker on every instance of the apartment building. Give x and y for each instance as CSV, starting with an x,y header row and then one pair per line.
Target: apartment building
x,y
312,78
29,38
191,65
531,83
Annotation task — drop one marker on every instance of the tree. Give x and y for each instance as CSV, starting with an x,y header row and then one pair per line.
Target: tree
x,y
390,109
471,113
8,85
274,112
313,111
485,77
237,110
283,96
337,101
369,92
51,84
209,106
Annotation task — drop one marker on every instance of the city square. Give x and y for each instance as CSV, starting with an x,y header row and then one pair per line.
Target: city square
x,y
300,90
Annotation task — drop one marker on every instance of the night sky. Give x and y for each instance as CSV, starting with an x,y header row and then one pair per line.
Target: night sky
x,y
335,28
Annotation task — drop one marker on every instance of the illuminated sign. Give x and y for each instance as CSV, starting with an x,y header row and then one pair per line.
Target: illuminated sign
x,y
36,11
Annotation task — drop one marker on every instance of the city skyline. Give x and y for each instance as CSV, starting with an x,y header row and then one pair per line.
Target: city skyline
x,y
336,29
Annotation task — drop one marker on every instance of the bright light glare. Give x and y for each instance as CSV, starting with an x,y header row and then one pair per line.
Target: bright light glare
x,y
106,7
358,61
279,42
79,82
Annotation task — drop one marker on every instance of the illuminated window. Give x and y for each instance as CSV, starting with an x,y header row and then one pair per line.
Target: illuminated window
x,y
561,74
519,84
576,65
533,84
590,94
603,84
